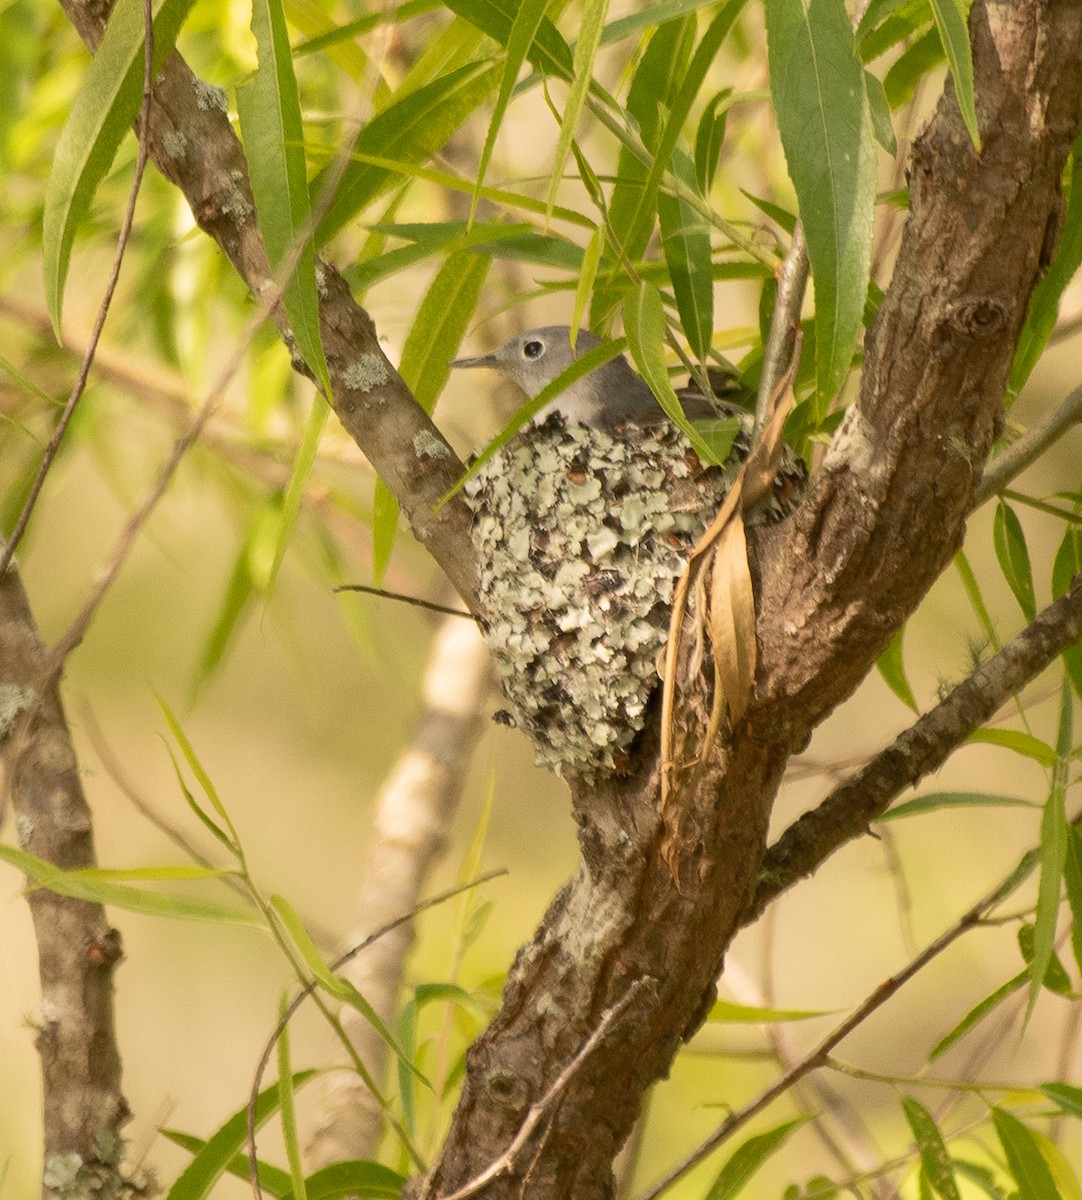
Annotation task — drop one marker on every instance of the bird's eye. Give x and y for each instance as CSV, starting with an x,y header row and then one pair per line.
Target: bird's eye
x,y
533,349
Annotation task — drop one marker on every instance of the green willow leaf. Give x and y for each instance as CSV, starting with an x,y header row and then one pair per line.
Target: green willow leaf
x,y
934,1159
405,133
199,1177
938,800
1067,1097
1024,1157
726,1012
527,21
891,666
817,83
270,123
298,477
665,82
357,1177
644,320
98,889
911,67
547,51
749,1157
1044,307
1013,555
271,1179
1020,743
709,139
591,25
1054,833
685,242
951,18
101,114
1072,877
977,1014
288,1107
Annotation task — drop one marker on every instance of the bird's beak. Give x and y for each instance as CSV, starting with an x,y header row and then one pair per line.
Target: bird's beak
x,y
481,360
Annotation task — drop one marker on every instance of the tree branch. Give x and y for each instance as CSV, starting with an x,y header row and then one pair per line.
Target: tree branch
x,y
85,1109
849,809
193,145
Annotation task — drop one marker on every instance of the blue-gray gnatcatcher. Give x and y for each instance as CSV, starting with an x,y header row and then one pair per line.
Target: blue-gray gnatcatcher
x,y
606,398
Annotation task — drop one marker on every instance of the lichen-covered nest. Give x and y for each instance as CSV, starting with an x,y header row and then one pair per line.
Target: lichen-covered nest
x,y
582,536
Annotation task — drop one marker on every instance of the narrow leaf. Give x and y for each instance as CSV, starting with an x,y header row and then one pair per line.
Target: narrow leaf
x,y
977,1014
644,320
354,1178
101,114
709,139
749,1157
879,111
288,1108
1056,978
951,21
1013,555
934,1159
1044,307
726,1012
911,67
591,259
272,1179
298,479
1024,1158
547,51
1067,1097
591,23
1067,564
662,84
817,83
937,800
1020,743
892,668
235,603
527,20
199,1177
685,242
270,121
336,985
197,767
97,889
1054,833
403,134
1072,874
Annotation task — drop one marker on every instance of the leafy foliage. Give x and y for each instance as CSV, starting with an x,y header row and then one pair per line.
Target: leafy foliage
x,y
636,168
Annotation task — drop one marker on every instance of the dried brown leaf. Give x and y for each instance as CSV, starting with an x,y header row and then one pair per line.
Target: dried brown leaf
x,y
725,607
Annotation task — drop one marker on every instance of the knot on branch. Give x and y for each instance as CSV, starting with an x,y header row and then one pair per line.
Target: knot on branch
x,y
978,318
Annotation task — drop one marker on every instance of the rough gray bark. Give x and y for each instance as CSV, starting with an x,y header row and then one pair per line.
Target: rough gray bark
x,y
84,1107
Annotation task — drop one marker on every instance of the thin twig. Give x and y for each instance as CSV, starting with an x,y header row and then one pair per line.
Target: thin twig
x,y
820,1056
431,605
537,1111
79,387
848,810
1029,448
310,987
780,342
